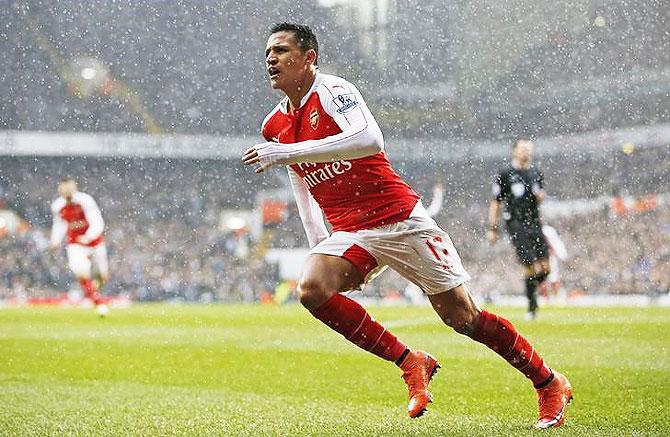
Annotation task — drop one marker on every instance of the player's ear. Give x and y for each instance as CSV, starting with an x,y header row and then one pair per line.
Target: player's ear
x,y
311,56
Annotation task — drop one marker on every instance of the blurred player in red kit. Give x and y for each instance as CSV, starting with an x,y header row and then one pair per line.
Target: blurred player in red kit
x,y
557,255
77,216
324,133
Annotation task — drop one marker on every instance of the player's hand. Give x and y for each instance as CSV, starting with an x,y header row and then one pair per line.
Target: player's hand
x,y
265,155
83,239
52,247
492,236
250,157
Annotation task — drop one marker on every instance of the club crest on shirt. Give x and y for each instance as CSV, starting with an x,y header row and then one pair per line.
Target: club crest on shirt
x,y
345,102
314,118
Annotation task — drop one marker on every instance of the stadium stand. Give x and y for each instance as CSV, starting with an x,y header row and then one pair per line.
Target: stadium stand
x,y
167,241
196,71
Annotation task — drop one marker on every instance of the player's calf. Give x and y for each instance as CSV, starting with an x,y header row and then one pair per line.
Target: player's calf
x,y
502,337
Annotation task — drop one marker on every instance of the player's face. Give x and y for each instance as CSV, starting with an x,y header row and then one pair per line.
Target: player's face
x,y
523,153
286,64
67,189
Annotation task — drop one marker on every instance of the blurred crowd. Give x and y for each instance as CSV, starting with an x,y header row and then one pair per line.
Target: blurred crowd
x,y
167,238
532,68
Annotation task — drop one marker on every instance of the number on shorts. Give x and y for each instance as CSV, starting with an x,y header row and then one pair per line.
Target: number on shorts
x,y
436,250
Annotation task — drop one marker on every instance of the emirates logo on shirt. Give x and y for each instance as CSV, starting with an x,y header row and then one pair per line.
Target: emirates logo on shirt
x,y
314,118
314,176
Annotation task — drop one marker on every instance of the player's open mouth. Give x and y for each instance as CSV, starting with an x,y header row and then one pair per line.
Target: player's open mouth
x,y
273,72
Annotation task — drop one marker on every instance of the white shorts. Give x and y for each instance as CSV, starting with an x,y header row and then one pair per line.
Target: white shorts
x,y
80,259
417,248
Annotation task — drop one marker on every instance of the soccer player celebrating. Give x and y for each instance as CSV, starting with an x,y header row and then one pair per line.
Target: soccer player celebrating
x,y
520,186
76,215
323,131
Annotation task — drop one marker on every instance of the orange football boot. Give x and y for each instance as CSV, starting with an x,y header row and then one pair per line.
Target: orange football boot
x,y
553,401
418,369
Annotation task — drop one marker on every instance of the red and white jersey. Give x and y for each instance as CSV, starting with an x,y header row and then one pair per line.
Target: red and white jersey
x,y
80,216
354,194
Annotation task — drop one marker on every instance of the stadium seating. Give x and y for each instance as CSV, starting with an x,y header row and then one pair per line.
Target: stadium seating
x,y
166,240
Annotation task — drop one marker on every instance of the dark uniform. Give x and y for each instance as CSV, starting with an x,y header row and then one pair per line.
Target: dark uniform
x,y
516,189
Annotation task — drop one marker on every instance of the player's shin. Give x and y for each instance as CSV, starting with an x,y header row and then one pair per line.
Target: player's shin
x,y
500,335
531,292
90,290
350,319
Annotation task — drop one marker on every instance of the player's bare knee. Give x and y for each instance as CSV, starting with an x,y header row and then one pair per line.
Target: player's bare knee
x,y
312,293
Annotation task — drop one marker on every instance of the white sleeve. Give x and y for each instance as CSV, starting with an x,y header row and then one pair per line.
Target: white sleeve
x,y
93,216
436,202
310,212
58,228
360,134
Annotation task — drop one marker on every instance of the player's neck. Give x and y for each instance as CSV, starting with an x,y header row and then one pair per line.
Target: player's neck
x,y
296,95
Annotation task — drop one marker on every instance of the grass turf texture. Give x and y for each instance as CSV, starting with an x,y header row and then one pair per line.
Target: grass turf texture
x,y
252,370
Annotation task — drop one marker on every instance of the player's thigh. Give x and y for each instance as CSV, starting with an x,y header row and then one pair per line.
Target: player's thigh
x,y
345,259
325,275
100,260
79,260
524,251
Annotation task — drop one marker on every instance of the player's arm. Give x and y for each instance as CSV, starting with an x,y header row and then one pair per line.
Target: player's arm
x,y
310,212
494,214
94,218
58,228
360,136
538,188
494,209
559,249
436,203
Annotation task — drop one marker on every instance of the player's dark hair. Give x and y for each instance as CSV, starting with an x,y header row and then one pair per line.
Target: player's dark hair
x,y
303,35
67,179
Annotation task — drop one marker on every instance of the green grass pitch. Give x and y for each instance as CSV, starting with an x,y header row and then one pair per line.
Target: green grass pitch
x,y
256,370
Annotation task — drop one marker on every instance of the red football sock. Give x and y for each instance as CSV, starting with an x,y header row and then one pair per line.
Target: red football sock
x,y
501,336
352,321
90,290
